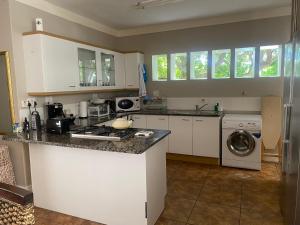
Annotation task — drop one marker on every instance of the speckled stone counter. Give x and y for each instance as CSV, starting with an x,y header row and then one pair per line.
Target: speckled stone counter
x,y
168,112
133,145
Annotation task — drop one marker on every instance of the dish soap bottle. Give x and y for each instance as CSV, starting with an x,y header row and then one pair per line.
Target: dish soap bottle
x,y
216,108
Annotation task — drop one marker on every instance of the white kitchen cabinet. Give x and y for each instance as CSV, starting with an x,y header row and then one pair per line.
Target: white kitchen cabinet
x,y
132,62
50,64
139,121
112,70
53,64
206,136
181,137
159,123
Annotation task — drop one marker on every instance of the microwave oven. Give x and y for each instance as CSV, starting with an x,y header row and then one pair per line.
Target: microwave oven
x,y
128,104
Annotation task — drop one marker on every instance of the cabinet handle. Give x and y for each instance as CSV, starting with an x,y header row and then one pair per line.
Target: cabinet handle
x,y
161,119
72,86
185,119
199,120
129,85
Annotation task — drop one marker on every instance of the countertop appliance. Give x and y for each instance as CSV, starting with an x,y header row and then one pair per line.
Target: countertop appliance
x,y
57,121
99,110
241,141
58,125
54,110
128,104
290,198
103,133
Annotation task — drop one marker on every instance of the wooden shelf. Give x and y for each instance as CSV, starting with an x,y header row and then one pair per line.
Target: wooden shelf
x,y
37,94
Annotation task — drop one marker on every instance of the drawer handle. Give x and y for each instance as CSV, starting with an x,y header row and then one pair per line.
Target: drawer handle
x,y
199,120
161,119
129,85
72,86
186,120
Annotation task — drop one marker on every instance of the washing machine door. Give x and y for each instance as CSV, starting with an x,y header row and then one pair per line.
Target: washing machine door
x,y
241,143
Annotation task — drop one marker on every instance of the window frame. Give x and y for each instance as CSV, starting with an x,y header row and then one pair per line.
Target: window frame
x,y
155,74
172,66
191,65
280,61
254,63
213,62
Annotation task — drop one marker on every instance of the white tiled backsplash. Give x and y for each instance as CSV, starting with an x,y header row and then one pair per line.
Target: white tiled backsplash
x,y
226,103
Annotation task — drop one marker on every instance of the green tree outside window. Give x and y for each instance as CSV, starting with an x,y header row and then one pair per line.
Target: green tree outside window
x,y
244,62
199,65
269,63
221,63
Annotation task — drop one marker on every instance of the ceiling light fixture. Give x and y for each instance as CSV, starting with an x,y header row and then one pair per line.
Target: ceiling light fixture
x,y
154,3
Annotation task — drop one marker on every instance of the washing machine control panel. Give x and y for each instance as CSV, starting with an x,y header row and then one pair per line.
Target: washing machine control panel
x,y
245,125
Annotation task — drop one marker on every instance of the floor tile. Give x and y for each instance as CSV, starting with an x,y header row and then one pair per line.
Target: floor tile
x,y
209,214
261,200
184,189
163,221
260,217
178,209
219,194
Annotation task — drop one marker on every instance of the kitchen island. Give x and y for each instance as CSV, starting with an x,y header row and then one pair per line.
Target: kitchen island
x,y
109,182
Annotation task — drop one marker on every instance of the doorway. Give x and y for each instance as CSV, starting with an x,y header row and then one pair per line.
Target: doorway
x,y
7,115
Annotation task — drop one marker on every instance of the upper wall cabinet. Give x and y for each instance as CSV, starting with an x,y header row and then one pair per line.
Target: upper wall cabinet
x,y
50,64
55,64
132,63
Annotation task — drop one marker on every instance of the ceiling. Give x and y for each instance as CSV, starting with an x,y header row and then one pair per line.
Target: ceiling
x,y
121,14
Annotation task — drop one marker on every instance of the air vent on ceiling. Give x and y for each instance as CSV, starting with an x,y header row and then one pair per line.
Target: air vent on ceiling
x,y
154,3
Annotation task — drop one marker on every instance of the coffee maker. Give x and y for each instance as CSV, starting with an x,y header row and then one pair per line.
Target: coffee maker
x,y
56,120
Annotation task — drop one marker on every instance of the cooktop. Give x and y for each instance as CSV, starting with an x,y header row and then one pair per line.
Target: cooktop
x,y
103,133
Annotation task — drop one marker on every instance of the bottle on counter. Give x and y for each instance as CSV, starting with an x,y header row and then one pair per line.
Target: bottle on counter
x,y
26,125
216,107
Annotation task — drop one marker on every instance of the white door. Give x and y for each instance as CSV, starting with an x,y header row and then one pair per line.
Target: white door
x,y
132,61
120,72
158,122
60,64
181,138
139,121
206,136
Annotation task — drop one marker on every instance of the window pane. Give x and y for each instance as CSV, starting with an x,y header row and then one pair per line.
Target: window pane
x,y
198,65
221,60
159,67
297,60
244,62
270,61
288,57
179,66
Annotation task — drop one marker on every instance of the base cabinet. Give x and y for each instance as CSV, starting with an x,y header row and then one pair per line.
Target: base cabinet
x,y
206,141
181,138
139,121
199,136
158,122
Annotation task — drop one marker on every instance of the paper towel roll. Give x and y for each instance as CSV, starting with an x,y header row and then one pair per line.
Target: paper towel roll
x,y
83,109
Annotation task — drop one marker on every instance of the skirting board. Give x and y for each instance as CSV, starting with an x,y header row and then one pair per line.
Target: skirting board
x,y
194,159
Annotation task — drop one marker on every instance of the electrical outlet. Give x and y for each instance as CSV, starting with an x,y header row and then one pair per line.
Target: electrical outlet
x,y
24,103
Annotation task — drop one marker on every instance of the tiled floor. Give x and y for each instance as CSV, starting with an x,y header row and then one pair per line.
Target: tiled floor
x,y
209,195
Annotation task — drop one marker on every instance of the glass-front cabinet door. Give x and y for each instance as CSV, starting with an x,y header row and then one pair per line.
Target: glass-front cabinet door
x,y
108,77
87,62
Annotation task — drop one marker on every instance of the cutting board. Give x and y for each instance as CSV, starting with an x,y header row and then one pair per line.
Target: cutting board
x,y
272,121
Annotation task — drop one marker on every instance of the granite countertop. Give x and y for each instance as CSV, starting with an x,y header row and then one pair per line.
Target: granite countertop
x,y
171,112
132,145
